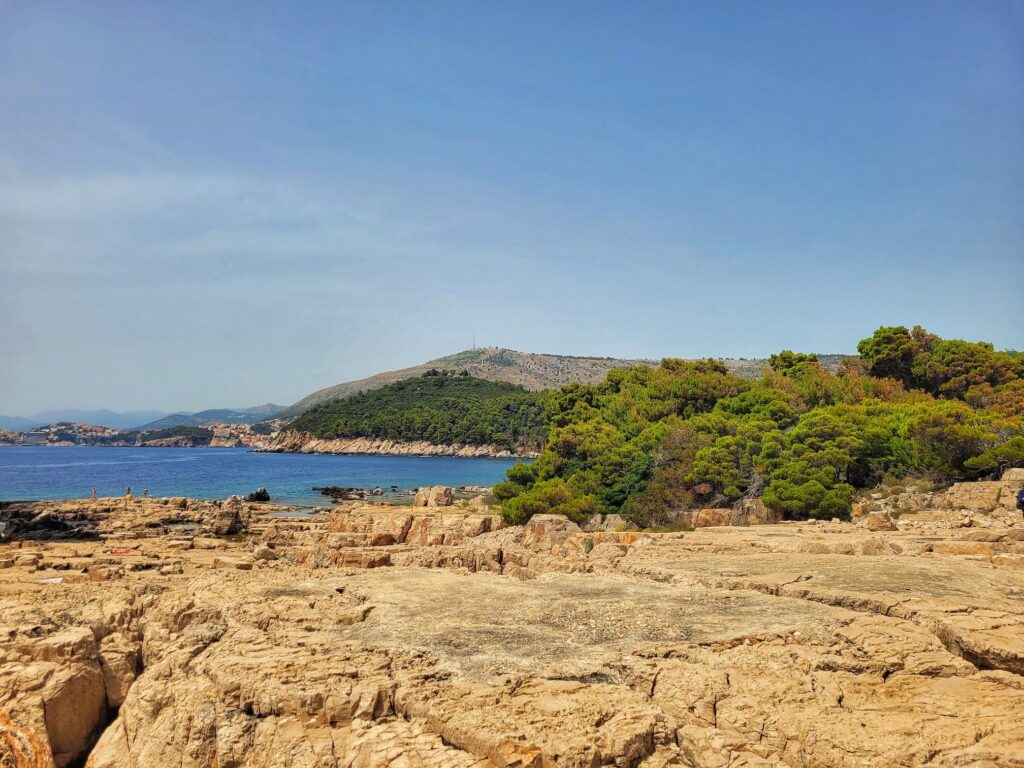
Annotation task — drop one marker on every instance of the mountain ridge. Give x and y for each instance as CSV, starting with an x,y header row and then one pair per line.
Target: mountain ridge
x,y
213,416
102,417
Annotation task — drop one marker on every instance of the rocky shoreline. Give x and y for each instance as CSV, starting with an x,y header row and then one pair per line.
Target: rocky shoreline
x,y
290,441
188,634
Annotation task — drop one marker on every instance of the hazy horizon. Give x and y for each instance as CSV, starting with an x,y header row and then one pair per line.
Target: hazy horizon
x,y
206,207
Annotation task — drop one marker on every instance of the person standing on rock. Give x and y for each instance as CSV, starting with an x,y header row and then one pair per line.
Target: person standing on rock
x,y
1020,500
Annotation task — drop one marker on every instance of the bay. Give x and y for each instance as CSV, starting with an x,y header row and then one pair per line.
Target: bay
x,y
58,472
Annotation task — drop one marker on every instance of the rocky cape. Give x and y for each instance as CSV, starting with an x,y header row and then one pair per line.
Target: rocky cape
x,y
291,441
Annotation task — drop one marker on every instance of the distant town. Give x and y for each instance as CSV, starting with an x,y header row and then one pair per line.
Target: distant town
x,y
214,435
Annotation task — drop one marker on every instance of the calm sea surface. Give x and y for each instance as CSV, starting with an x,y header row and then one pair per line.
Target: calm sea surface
x,y
43,472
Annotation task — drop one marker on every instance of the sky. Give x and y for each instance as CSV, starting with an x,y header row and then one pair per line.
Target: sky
x,y
224,204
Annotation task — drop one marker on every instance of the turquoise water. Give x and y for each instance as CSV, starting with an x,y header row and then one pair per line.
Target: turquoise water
x,y
44,472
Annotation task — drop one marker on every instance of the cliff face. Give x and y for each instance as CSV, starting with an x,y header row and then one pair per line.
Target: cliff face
x,y
291,441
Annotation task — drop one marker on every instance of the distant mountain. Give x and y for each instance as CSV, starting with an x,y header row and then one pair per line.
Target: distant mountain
x,y
267,410
531,370
213,416
18,423
102,418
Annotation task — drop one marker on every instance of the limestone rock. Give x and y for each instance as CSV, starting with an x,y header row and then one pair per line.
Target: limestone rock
x,y
756,513
237,563
880,521
979,496
1014,475
745,512
119,661
436,496
225,519
605,523
263,552
543,532
462,643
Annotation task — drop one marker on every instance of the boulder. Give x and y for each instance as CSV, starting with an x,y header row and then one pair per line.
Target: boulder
x,y
260,494
981,496
754,512
435,496
237,563
879,521
543,532
225,519
605,523
263,552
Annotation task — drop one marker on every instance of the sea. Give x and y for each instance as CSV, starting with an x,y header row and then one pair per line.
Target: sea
x,y
58,472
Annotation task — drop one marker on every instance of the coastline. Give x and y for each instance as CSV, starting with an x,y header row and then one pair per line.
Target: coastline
x,y
301,442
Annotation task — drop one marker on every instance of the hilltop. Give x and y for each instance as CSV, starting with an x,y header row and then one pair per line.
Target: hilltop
x,y
531,370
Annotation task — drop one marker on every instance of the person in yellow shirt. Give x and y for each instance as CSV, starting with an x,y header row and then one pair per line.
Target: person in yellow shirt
x,y
128,493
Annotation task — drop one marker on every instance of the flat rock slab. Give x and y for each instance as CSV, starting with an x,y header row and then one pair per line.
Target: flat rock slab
x,y
484,625
313,643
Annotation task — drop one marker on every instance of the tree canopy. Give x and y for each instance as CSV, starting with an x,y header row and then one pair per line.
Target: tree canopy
x,y
648,441
442,407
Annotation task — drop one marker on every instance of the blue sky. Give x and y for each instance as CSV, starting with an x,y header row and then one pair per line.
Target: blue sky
x,y
220,204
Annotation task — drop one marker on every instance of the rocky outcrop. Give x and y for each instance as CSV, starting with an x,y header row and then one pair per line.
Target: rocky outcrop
x,y
746,512
179,441
225,442
395,636
879,521
118,517
985,498
61,682
981,497
290,441
377,529
605,523
435,496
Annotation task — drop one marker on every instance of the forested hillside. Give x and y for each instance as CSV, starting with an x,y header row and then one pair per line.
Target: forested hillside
x,y
440,407
530,370
647,441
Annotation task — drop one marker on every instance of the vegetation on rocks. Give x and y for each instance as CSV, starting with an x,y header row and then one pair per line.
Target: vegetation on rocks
x,y
440,407
648,441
